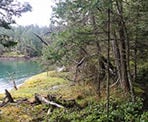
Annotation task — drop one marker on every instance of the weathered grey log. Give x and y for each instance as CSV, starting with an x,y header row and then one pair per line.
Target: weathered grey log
x,y
41,99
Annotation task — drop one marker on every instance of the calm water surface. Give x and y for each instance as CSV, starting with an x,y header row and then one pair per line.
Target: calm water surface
x,y
17,70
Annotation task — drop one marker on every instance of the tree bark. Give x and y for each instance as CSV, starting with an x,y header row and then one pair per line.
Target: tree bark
x,y
117,56
122,42
95,31
108,58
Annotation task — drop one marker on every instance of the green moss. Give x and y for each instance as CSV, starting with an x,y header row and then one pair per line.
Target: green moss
x,y
40,83
15,113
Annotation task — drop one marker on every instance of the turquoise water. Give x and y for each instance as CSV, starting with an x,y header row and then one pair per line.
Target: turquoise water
x,y
17,70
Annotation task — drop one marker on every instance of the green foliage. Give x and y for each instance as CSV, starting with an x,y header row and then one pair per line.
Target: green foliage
x,y
120,111
142,73
7,41
144,117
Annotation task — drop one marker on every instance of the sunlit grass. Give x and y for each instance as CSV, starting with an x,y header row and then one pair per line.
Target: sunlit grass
x,y
40,83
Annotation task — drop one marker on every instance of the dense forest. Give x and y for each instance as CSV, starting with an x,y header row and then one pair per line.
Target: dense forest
x,y
102,44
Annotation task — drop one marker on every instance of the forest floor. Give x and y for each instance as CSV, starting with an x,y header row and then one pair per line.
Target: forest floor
x,y
57,85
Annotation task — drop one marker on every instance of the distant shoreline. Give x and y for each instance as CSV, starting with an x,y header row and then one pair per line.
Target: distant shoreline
x,y
14,58
10,86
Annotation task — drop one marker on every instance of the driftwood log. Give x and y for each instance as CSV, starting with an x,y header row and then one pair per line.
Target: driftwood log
x,y
40,99
50,100
67,103
56,102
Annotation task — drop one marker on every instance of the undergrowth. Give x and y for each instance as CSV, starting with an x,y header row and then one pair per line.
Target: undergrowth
x,y
120,111
92,107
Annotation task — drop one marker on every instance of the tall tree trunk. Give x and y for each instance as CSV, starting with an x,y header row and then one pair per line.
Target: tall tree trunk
x,y
135,46
95,30
116,55
122,42
124,76
99,70
127,52
108,58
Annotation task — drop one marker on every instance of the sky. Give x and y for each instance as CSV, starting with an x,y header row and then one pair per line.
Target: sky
x,y
40,15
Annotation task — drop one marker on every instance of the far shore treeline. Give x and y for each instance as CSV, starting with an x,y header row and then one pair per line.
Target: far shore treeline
x,y
26,43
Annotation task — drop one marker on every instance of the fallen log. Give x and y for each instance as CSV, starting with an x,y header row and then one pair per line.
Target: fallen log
x,y
68,103
40,99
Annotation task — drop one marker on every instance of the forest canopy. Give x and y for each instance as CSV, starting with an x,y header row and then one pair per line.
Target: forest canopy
x,y
99,37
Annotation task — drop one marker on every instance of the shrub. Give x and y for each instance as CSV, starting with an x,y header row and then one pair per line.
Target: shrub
x,y
120,111
142,73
